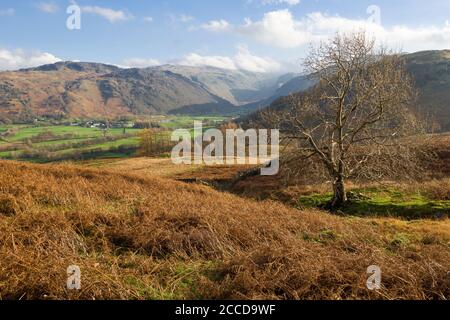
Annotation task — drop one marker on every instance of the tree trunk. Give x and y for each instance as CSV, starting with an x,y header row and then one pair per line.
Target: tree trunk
x,y
340,194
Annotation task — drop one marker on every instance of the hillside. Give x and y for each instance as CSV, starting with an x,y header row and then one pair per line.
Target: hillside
x,y
295,84
430,70
143,237
235,86
90,90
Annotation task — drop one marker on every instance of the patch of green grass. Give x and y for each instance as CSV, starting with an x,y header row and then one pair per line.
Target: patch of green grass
x,y
316,200
401,240
133,141
325,236
383,202
187,122
80,132
5,154
179,281
148,292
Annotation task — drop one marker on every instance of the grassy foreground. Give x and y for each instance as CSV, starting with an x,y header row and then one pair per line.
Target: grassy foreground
x,y
143,237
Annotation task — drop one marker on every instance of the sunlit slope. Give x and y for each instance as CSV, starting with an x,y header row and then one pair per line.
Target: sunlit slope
x,y
149,238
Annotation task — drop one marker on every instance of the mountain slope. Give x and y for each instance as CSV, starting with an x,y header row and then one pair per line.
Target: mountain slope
x,y
235,86
295,84
145,91
70,89
431,71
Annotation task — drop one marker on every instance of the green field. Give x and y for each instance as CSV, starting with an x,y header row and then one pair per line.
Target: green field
x,y
64,140
31,131
186,122
60,142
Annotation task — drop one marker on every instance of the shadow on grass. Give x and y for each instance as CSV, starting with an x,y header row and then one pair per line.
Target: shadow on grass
x,y
383,203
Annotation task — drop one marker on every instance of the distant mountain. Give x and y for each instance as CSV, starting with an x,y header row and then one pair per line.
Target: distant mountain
x,y
74,66
430,69
236,86
90,90
294,84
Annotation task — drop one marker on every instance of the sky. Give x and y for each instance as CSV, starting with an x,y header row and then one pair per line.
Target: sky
x,y
253,35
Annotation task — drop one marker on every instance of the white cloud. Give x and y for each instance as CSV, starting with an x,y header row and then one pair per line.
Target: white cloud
x,y
18,59
107,13
7,12
288,2
148,19
398,37
277,28
48,7
216,25
242,60
245,60
196,60
183,18
281,29
140,63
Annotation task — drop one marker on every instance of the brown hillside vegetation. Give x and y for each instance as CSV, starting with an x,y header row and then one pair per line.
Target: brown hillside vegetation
x,y
302,178
91,90
150,238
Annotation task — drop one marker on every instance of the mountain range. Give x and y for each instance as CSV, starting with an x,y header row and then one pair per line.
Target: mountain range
x,y
93,90
90,90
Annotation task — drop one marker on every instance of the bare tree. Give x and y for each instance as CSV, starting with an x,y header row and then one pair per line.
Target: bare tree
x,y
355,119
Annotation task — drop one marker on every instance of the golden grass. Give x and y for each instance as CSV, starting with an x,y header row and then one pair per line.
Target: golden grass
x,y
140,237
436,189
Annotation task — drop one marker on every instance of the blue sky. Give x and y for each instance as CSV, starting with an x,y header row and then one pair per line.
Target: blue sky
x,y
256,35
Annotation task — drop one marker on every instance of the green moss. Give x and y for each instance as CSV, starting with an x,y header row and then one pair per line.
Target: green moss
x,y
316,200
401,240
148,292
179,281
383,202
325,236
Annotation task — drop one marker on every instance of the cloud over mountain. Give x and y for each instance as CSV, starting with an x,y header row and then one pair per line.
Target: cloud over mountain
x,y
140,63
242,60
18,58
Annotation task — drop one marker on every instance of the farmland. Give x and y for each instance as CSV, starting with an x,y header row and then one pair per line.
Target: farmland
x,y
41,143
